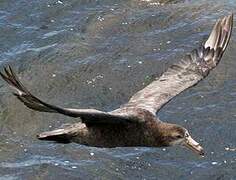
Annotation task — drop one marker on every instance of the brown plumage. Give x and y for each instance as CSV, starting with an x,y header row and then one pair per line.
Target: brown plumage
x,y
135,123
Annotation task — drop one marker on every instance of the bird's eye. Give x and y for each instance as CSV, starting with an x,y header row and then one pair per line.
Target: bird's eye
x,y
179,136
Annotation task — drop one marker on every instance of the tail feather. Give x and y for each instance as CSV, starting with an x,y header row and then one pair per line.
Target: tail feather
x,y
62,135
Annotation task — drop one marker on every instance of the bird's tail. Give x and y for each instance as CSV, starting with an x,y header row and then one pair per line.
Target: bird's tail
x,y
64,134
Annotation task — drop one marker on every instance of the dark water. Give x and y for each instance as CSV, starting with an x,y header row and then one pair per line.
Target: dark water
x,y
87,53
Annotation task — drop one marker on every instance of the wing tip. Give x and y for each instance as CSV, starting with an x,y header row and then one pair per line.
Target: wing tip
x,y
220,34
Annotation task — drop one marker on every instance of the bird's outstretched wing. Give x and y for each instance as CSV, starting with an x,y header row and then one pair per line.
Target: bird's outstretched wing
x,y
186,73
89,116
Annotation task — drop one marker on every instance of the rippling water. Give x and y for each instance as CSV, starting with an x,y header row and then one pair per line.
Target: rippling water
x,y
83,53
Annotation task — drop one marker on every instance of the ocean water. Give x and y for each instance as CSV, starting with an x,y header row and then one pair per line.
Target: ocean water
x,y
96,54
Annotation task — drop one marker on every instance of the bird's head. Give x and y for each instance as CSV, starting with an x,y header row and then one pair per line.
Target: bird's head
x,y
176,135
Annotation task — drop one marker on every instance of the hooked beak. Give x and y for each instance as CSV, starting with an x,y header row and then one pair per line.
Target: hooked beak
x,y
193,145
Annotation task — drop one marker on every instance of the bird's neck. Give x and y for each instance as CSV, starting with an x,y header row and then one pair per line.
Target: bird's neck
x,y
158,131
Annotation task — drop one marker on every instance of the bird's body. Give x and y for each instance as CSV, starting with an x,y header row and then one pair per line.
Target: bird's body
x,y
109,135
135,123
145,134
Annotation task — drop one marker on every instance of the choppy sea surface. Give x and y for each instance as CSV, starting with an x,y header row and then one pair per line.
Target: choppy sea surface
x,y
96,54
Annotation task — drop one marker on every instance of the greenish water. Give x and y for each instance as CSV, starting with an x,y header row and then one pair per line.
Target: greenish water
x,y
96,54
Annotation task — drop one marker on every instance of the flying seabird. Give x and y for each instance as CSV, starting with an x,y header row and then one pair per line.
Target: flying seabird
x,y
135,123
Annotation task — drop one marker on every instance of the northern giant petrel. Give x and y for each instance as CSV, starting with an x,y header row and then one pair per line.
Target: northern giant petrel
x,y
135,123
